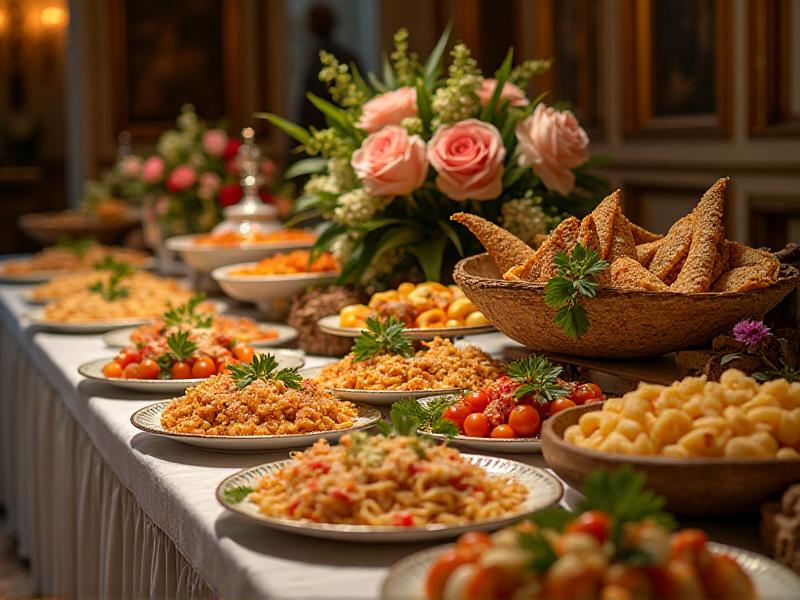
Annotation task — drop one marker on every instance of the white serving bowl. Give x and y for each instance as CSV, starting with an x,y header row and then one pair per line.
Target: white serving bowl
x,y
263,288
207,258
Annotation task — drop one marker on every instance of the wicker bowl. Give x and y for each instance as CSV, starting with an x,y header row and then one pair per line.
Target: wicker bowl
x,y
624,323
694,486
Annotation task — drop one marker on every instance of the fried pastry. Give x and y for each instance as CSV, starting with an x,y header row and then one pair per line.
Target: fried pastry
x,y
505,248
673,249
641,235
587,237
540,266
742,279
628,273
707,232
622,244
750,269
670,277
723,261
645,252
604,215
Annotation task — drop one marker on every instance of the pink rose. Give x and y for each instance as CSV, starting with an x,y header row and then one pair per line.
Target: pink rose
x,y
388,109
153,169
552,143
182,177
390,162
208,184
130,166
510,93
215,141
468,156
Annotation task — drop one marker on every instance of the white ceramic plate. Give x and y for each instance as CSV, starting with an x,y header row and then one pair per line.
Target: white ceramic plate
x,y
41,276
27,295
330,324
121,338
149,419
514,446
406,578
207,258
94,370
544,490
36,317
256,288
376,397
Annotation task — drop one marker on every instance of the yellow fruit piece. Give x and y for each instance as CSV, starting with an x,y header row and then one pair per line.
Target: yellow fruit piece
x,y
434,317
460,308
476,319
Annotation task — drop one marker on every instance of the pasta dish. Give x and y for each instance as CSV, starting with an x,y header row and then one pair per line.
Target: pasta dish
x,y
74,257
217,406
291,263
385,481
234,238
438,365
64,285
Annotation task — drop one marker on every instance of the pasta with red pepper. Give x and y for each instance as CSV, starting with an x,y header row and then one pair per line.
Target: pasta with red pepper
x,y
385,481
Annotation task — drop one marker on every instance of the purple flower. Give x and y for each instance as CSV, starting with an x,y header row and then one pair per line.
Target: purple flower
x,y
750,333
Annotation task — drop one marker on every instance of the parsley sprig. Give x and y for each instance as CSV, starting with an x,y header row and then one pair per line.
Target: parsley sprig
x,y
115,266
621,495
411,415
112,289
186,314
382,336
78,246
575,279
236,494
537,375
264,367
180,346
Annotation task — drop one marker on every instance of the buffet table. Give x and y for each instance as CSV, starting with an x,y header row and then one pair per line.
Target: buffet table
x,y
104,510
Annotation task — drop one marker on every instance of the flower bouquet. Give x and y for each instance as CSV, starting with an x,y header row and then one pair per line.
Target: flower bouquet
x,y
403,152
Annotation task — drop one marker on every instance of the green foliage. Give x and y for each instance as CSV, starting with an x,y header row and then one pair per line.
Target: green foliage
x,y
382,336
112,289
180,346
237,494
537,375
264,367
428,416
186,314
78,246
575,279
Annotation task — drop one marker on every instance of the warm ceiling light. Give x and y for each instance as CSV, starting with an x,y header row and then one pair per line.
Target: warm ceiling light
x,y
54,17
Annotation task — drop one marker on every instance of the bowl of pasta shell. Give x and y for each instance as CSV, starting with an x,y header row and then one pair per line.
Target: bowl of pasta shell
x,y
708,447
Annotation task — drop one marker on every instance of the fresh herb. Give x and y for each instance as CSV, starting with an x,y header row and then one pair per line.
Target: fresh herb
x,y
78,246
112,289
180,346
109,264
427,416
186,314
236,494
264,367
539,376
382,336
556,518
622,496
575,279
542,556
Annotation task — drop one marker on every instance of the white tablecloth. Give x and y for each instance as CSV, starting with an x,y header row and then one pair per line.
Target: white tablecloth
x,y
103,509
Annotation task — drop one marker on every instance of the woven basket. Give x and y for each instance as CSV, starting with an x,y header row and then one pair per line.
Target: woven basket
x,y
624,323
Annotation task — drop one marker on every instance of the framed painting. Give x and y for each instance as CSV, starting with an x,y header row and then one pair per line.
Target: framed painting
x,y
676,67
167,54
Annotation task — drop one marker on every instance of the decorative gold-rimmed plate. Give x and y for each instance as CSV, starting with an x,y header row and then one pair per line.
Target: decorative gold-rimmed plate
x,y
406,578
376,397
94,370
148,419
330,325
544,490
121,338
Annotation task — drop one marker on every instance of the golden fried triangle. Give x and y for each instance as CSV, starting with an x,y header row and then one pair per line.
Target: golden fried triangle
x,y
505,248
540,266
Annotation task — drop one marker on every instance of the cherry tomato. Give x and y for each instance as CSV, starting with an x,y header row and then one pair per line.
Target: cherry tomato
x,y
484,583
204,367
586,391
594,522
440,572
476,425
132,371
473,543
594,400
181,370
223,362
524,420
243,352
456,413
149,369
690,544
126,357
556,406
502,431
112,369
478,400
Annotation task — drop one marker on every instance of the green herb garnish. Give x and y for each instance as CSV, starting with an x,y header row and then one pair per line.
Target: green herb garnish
x,y
109,264
180,346
186,314
236,494
539,376
382,336
428,416
575,279
264,367
78,246
112,289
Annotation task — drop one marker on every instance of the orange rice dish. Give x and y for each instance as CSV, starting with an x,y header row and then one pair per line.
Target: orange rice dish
x,y
217,407
234,238
291,263
56,258
439,365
